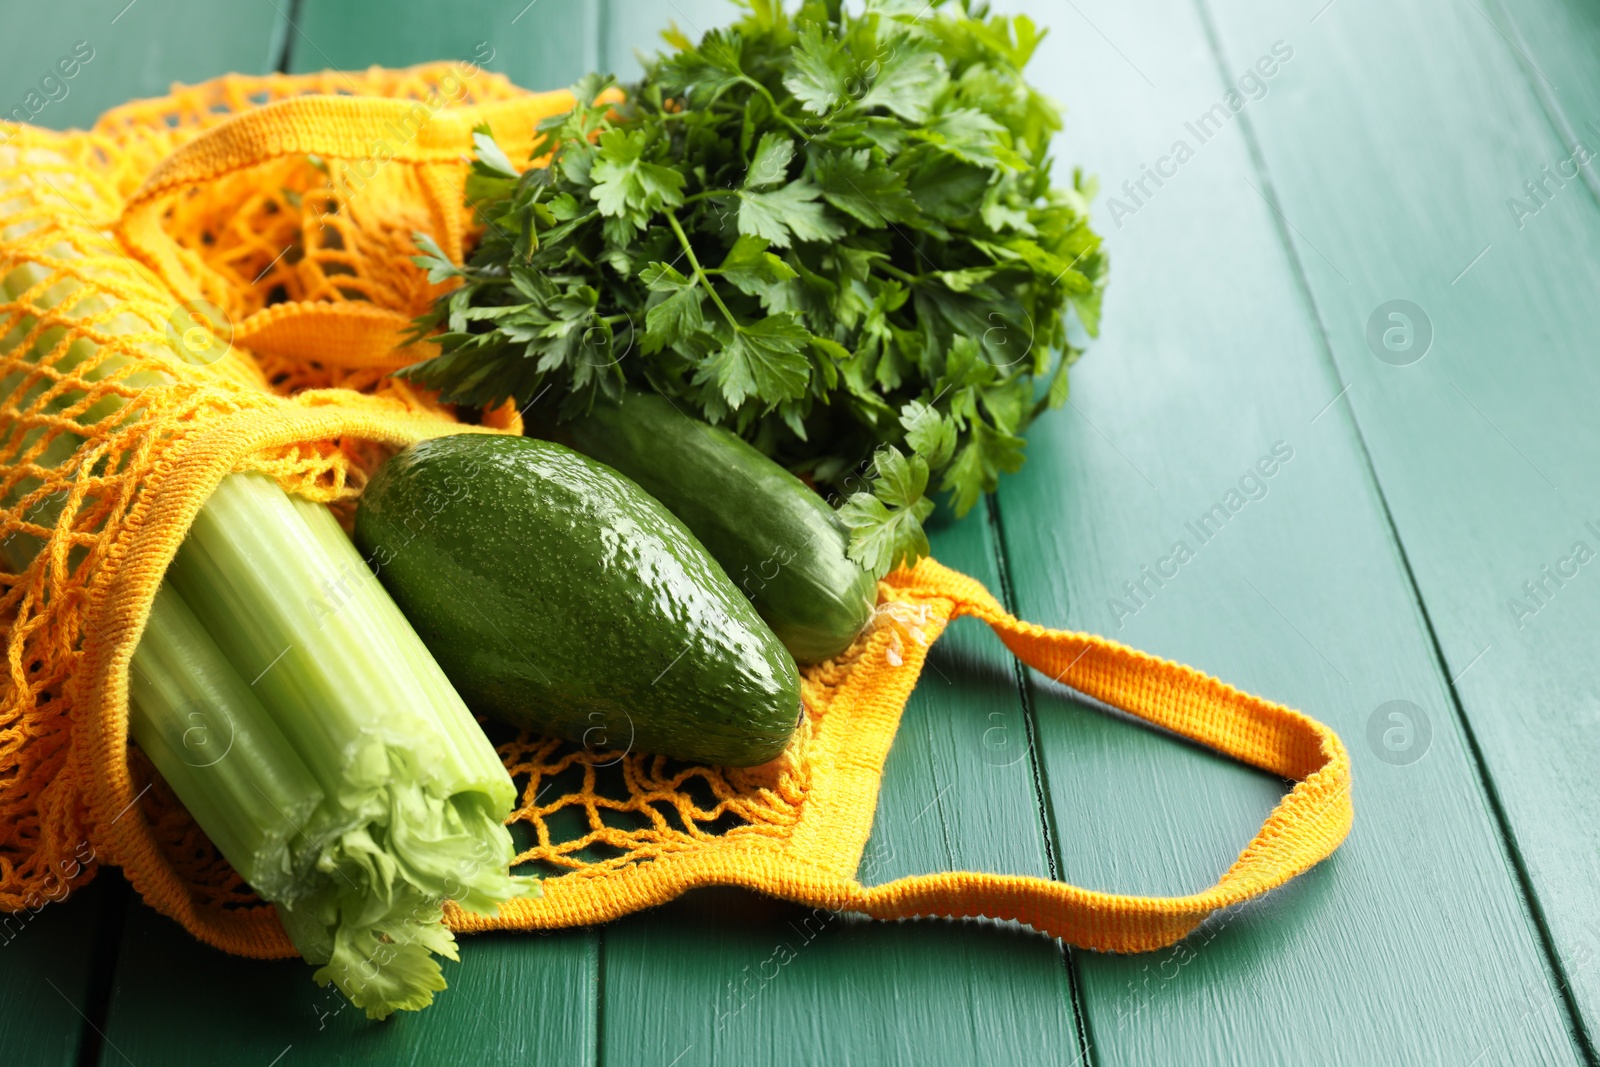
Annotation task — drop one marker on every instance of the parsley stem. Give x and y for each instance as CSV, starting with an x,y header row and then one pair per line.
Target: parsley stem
x,y
905,276
777,110
699,271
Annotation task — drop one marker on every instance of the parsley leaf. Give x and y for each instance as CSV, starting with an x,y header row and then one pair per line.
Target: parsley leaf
x,y
627,187
822,71
789,212
972,137
677,314
762,360
901,481
886,526
771,163
976,468
490,156
862,188
909,78
433,260
752,269
930,434
830,228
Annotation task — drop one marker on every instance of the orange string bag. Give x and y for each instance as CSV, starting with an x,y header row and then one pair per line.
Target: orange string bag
x,y
275,214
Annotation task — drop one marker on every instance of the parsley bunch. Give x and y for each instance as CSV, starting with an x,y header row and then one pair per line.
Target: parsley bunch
x,y
834,233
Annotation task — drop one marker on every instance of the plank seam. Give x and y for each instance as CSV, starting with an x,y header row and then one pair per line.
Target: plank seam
x,y
280,50
605,62
1575,1025
599,1057
1554,112
1041,793
104,951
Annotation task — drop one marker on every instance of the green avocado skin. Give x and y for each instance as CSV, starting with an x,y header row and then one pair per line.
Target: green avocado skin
x,y
558,596
778,540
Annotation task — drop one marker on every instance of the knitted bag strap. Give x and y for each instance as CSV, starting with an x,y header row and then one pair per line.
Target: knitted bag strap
x,y
429,137
1305,827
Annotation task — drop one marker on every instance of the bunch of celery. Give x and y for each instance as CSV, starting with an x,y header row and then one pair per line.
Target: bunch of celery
x,y
291,707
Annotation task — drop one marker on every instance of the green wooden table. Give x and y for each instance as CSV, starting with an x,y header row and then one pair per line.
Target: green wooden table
x,y
1436,472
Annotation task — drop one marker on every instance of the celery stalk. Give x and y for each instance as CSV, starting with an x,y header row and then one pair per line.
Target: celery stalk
x,y
307,619
411,784
216,746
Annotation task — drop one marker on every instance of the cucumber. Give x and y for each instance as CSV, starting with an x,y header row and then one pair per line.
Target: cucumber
x,y
778,540
558,596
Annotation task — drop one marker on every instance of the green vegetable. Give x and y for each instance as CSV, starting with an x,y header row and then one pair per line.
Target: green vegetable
x,y
779,541
189,711
289,705
832,233
558,596
413,794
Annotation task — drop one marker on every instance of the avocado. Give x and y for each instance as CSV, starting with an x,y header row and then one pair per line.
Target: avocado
x,y
558,596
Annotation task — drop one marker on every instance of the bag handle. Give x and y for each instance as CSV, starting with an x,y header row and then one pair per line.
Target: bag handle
x,y
373,132
1306,826
366,128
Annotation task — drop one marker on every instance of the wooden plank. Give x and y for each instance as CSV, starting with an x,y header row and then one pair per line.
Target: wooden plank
x,y
117,53
513,999
631,27
547,44
52,969
1412,943
54,966
176,1001
1555,43
1486,446
729,978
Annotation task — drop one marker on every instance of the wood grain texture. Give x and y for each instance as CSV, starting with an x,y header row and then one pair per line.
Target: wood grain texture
x,y
730,978
1555,43
1394,139
50,969
546,44
137,50
1211,356
1428,127
513,999
629,27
